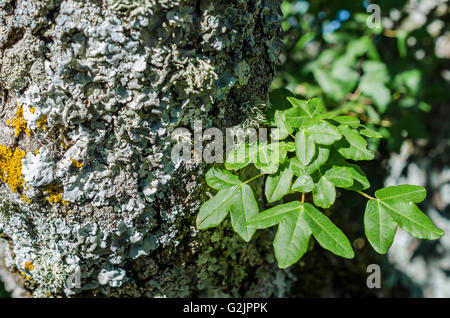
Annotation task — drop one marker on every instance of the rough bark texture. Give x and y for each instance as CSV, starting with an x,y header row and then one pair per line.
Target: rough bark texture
x,y
85,156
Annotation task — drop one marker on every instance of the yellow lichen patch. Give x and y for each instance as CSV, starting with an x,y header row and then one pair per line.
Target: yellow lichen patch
x,y
76,163
11,167
29,266
19,123
32,110
25,199
36,152
55,194
41,122
63,144
25,276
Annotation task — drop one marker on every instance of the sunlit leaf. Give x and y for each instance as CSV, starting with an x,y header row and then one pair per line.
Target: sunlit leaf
x,y
380,228
324,193
340,176
303,183
221,179
328,235
243,207
292,238
396,206
278,185
324,133
370,133
350,121
216,209
273,215
353,146
305,147
241,157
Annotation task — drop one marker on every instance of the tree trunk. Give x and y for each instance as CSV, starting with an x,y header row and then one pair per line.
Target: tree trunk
x,y
90,92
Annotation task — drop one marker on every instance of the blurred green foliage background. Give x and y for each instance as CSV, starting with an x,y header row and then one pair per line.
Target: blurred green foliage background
x,y
390,73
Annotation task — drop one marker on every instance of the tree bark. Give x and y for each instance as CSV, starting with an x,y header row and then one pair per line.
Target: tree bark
x,y
92,91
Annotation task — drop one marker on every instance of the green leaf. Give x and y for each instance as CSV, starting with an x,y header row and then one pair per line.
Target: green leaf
x,y
290,146
317,105
297,167
243,207
305,148
399,201
306,108
396,206
324,133
321,157
274,215
328,235
270,156
221,179
241,157
340,176
278,185
213,211
370,133
327,115
292,238
360,181
295,117
303,183
402,192
324,193
380,228
353,146
350,121
284,129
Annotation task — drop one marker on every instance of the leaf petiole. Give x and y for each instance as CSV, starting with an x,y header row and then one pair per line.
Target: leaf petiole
x,y
253,178
366,195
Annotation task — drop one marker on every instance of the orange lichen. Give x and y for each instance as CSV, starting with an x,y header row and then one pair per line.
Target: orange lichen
x,y
55,194
41,122
29,266
11,167
19,123
76,163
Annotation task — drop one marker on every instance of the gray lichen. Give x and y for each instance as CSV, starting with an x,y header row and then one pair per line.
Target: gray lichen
x,y
102,85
